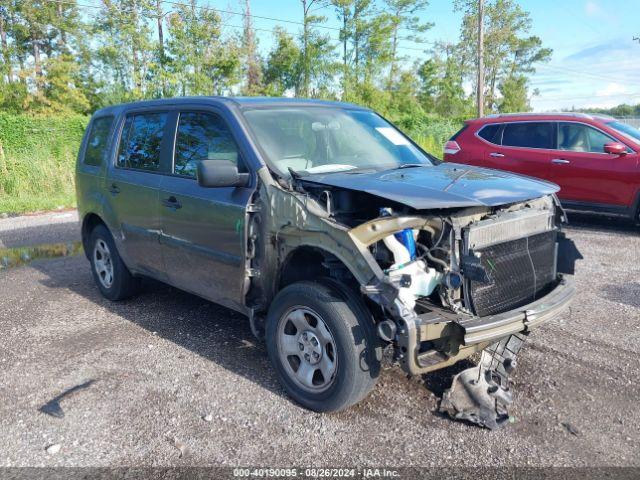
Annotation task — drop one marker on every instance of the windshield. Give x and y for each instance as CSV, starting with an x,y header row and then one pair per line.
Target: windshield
x,y
632,132
311,140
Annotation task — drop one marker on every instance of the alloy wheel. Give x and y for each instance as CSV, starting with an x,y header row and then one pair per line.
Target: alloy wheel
x,y
102,263
307,349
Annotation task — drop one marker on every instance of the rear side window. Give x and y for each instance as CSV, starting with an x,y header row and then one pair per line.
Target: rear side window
x,y
97,140
140,141
490,133
528,134
202,136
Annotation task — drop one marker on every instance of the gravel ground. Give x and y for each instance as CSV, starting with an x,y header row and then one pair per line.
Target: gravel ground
x,y
178,381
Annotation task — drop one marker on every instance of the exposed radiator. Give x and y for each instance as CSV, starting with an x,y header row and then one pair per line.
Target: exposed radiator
x,y
518,255
508,226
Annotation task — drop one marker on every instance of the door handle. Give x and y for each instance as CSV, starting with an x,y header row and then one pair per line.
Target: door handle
x,y
496,154
171,202
114,189
560,161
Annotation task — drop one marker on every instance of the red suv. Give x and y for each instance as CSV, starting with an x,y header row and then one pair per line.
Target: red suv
x,y
594,159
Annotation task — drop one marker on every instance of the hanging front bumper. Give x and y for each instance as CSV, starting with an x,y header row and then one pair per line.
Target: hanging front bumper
x,y
459,336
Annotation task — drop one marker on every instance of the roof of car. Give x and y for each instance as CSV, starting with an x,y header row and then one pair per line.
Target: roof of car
x,y
541,116
230,101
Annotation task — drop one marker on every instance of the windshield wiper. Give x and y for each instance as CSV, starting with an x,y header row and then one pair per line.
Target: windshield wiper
x,y
408,165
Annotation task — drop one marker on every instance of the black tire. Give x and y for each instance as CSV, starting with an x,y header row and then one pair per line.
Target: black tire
x,y
123,285
351,326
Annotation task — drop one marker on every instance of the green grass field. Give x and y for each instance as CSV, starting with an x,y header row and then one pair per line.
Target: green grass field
x,y
38,154
37,158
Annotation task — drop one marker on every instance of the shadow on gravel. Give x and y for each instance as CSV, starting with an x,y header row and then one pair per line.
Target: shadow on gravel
x,y
216,333
585,221
440,380
209,330
53,407
628,293
40,235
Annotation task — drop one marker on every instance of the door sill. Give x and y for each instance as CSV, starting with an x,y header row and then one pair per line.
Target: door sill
x,y
597,208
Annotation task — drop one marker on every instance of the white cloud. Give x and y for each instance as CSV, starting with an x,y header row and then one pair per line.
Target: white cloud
x,y
592,8
613,89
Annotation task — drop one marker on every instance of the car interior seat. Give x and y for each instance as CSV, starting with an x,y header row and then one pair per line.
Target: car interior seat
x,y
574,139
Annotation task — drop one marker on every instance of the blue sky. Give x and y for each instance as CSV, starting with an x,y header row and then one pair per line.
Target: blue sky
x,y
595,60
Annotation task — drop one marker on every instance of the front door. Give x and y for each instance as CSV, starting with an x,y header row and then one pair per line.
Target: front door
x,y
526,149
132,185
203,229
585,172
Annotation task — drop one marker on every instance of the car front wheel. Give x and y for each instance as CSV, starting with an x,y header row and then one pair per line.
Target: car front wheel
x,y
321,341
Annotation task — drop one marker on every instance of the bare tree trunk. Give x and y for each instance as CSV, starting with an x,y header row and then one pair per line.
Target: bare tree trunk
x,y
480,80
356,40
305,52
254,72
21,61
160,31
137,81
6,55
345,37
161,46
63,34
394,49
37,62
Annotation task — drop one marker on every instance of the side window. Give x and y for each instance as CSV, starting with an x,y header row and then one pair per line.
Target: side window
x,y
202,136
578,137
140,142
97,140
490,133
528,134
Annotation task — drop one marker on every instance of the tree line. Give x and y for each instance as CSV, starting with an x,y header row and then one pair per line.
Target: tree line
x,y
66,55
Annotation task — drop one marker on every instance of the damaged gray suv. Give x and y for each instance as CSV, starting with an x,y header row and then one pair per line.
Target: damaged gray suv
x,y
342,241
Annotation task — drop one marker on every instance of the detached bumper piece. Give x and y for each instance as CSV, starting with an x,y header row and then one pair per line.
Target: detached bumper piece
x,y
481,394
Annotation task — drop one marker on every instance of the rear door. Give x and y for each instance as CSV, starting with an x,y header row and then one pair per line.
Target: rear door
x,y
585,172
203,229
523,147
132,184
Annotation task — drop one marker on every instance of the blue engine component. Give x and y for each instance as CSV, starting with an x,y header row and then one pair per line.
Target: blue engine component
x,y
405,237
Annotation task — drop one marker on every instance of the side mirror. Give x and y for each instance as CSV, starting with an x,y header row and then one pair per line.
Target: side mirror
x,y
220,173
615,148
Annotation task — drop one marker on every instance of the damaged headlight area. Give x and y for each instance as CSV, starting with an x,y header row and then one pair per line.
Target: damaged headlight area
x,y
475,280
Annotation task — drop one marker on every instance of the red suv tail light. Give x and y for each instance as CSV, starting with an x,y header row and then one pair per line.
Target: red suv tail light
x,y
451,147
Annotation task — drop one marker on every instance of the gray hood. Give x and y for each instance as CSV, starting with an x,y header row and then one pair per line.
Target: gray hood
x,y
447,185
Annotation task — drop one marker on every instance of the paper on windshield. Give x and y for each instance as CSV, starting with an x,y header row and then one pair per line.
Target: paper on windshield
x,y
329,168
392,135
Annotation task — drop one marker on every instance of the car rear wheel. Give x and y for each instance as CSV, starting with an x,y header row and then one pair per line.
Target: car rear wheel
x,y
321,341
109,271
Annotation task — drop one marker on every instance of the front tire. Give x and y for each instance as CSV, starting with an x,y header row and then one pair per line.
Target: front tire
x,y
109,271
322,343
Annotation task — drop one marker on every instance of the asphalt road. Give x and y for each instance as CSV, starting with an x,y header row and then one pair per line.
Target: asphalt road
x,y
151,369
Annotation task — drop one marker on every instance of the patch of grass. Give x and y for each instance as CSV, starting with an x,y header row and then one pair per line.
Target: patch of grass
x,y
432,133
36,203
37,162
430,144
37,181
